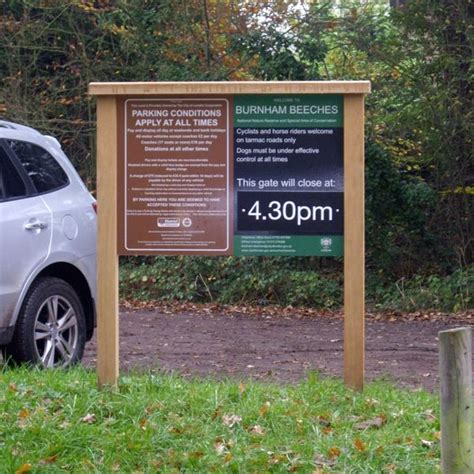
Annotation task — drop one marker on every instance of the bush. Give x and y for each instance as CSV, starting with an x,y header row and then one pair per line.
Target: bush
x,y
449,293
284,281
398,210
228,280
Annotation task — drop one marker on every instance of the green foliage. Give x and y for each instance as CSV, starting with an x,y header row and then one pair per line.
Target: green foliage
x,y
419,60
398,209
57,421
230,280
50,52
451,293
419,114
441,70
288,49
285,281
308,288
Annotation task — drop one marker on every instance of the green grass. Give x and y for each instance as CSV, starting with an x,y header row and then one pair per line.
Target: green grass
x,y
57,421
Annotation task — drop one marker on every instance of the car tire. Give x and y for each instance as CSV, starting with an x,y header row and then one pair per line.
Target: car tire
x,y
51,329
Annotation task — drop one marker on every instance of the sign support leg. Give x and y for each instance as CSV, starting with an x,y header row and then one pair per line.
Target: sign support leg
x,y
107,259
354,251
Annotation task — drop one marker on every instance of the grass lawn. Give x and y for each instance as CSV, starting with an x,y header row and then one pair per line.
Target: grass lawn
x,y
57,421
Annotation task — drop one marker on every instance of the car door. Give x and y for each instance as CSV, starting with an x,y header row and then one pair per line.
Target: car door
x,y
25,232
71,205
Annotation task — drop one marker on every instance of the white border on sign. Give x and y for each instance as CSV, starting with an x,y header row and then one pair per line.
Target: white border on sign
x,y
178,250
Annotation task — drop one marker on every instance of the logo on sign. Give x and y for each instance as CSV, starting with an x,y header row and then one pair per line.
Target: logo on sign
x,y
326,244
167,222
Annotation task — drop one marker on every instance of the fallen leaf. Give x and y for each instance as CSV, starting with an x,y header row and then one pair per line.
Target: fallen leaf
x,y
217,413
24,413
429,416
376,422
277,458
295,466
322,461
264,408
241,388
219,446
176,430
371,402
196,455
334,452
427,444
232,310
322,420
24,468
89,418
359,445
257,430
231,420
157,406
49,460
16,451
228,457
88,464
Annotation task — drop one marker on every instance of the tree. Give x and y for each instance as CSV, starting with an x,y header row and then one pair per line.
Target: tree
x,y
419,59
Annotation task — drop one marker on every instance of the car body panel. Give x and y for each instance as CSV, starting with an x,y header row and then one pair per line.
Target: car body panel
x,y
68,238
27,249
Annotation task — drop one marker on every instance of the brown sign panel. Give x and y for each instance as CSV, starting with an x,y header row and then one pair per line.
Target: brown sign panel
x,y
175,176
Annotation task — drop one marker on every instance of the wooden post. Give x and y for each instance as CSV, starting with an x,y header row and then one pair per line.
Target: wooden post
x,y
455,362
107,259
354,250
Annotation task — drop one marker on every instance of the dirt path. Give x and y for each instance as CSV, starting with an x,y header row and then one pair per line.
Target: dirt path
x,y
274,348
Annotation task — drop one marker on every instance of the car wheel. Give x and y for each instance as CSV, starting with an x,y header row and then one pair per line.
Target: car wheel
x,y
50,330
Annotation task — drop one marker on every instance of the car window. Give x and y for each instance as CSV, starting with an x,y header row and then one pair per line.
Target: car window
x,y
45,172
11,184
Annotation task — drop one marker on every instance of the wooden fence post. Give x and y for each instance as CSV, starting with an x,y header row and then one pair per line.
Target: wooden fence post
x,y
455,362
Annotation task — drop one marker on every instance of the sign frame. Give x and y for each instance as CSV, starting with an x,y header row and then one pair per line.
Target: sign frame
x,y
107,94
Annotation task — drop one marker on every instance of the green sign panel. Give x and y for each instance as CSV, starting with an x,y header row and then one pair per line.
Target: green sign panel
x,y
288,111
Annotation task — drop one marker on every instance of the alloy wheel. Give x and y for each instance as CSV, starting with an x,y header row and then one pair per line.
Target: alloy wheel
x,y
56,332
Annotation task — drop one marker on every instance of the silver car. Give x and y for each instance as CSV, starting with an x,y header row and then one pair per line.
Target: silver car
x,y
47,251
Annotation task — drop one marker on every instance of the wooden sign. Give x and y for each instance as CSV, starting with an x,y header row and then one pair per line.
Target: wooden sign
x,y
230,168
